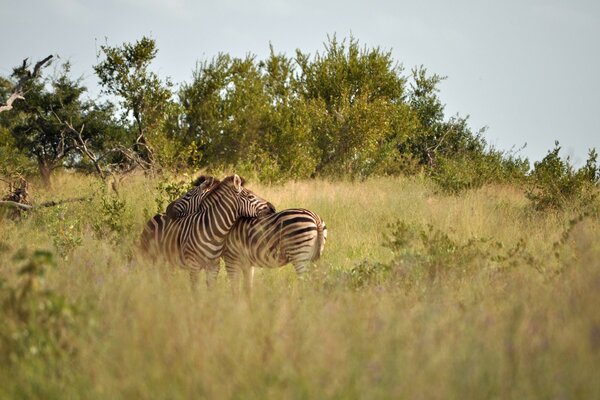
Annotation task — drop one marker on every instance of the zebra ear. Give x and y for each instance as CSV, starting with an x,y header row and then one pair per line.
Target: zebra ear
x,y
237,182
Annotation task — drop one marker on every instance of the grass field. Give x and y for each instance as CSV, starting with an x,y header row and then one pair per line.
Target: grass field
x,y
480,297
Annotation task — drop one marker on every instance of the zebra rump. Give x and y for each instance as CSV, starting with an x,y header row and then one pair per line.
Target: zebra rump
x,y
294,236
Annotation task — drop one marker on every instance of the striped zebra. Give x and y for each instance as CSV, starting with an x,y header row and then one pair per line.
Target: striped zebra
x,y
193,198
295,236
195,241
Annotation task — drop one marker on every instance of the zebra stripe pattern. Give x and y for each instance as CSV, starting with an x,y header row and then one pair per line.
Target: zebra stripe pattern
x,y
295,236
192,201
195,241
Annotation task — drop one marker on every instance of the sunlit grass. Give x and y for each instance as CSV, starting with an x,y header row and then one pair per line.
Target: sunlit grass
x,y
497,331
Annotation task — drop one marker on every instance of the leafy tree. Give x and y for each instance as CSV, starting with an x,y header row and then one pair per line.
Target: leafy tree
x,y
225,109
39,128
359,93
144,97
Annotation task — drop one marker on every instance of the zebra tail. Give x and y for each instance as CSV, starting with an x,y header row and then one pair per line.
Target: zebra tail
x,y
321,238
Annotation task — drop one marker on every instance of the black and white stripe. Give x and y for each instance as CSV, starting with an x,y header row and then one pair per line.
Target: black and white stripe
x,y
295,236
192,200
195,241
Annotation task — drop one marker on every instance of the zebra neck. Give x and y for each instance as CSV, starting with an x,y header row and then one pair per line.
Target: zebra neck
x,y
222,208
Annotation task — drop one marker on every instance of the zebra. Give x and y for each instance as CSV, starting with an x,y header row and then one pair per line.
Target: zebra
x,y
295,236
192,199
153,231
195,241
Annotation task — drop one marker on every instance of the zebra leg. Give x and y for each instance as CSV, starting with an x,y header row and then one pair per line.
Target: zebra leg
x,y
301,268
194,276
248,278
212,271
233,272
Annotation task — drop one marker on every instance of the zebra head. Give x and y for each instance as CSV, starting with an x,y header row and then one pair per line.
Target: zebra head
x,y
250,205
191,202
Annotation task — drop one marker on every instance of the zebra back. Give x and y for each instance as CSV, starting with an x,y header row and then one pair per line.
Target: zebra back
x,y
294,236
198,238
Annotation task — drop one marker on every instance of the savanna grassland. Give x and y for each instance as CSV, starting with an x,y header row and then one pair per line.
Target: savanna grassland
x,y
418,295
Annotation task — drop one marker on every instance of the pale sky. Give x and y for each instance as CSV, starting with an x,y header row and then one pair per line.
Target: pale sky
x,y
529,70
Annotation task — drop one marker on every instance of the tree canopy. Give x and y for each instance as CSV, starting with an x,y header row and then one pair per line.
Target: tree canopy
x,y
347,111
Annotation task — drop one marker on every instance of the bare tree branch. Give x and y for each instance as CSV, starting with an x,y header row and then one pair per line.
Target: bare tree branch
x,y
18,92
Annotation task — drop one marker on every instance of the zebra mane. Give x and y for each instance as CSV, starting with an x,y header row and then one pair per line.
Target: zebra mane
x,y
203,191
203,178
212,184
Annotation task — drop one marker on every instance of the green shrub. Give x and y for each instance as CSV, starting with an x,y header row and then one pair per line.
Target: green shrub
x,y
37,322
65,229
556,185
114,219
169,192
473,170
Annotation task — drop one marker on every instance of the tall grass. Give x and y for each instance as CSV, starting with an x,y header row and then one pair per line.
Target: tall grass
x,y
487,326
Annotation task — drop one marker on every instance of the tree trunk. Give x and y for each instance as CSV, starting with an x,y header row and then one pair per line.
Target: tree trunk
x,y
45,171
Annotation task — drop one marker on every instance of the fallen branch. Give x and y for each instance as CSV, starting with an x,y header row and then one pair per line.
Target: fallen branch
x,y
29,207
14,204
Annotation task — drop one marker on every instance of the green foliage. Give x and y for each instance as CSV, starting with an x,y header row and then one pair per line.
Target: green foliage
x,y
124,72
472,170
359,96
431,254
38,122
556,185
168,192
35,134
37,322
346,111
65,230
114,220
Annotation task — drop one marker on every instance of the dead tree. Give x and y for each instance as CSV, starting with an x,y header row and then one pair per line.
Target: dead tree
x,y
115,171
18,92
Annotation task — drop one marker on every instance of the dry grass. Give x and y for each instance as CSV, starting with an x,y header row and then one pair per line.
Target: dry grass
x,y
524,330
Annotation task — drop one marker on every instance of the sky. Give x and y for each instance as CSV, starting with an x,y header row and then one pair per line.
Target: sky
x,y
527,70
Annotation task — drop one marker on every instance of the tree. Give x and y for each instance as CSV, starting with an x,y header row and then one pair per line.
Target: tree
x,y
39,123
359,95
145,98
19,89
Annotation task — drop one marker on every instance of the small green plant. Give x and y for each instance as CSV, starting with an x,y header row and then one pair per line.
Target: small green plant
x,y
65,231
114,220
431,253
556,185
36,321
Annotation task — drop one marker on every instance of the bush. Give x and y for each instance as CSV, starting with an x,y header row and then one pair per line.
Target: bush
x,y
168,192
472,170
115,219
36,321
420,255
65,230
556,185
